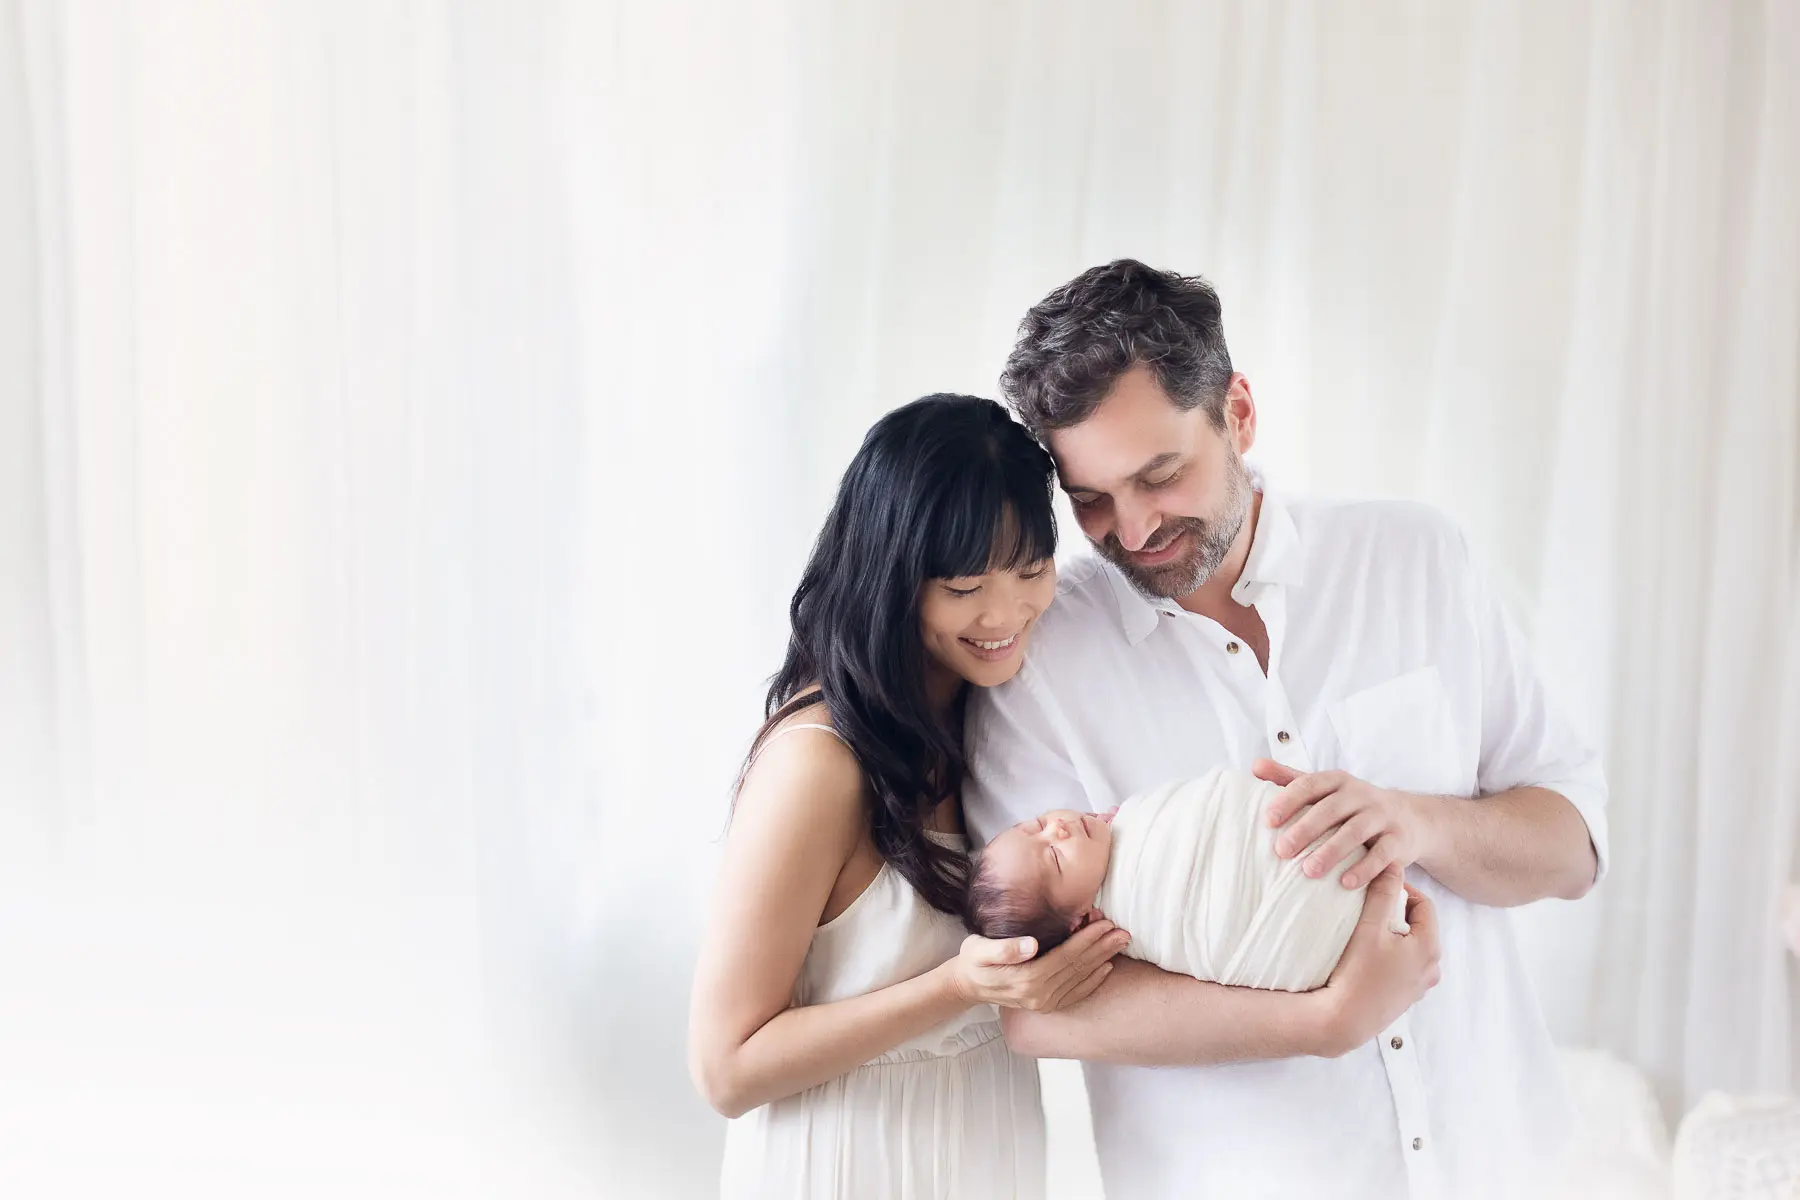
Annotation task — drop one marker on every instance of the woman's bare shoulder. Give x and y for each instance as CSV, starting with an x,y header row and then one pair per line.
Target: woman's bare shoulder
x,y
806,775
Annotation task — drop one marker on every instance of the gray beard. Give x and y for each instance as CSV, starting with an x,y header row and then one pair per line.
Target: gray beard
x,y
1212,541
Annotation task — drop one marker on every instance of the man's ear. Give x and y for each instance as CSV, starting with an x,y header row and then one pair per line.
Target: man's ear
x,y
1240,413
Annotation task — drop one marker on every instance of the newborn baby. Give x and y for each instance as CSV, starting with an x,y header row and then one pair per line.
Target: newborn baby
x,y
1190,870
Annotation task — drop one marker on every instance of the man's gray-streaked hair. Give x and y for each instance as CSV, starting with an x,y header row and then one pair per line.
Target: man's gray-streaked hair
x,y
1075,343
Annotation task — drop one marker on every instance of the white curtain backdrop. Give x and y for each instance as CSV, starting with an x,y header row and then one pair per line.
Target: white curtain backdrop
x,y
414,414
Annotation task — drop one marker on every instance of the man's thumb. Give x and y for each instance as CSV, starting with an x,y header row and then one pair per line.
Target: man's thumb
x,y
1269,770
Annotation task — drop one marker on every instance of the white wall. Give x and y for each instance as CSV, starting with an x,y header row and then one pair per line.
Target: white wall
x,y
426,409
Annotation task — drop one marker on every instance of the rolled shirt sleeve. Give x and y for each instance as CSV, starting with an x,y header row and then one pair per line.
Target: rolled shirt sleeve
x,y
1526,740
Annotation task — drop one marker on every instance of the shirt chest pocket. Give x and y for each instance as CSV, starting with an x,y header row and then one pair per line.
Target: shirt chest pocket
x,y
1400,734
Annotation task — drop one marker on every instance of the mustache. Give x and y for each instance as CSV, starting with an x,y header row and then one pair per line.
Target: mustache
x,y
1174,527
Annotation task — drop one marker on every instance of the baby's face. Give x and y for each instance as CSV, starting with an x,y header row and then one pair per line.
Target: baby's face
x,y
1061,856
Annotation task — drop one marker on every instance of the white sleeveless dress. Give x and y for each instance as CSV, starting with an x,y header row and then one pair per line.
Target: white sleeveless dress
x,y
950,1113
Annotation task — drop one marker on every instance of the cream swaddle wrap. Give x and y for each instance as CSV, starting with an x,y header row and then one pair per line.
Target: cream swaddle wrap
x,y
1195,879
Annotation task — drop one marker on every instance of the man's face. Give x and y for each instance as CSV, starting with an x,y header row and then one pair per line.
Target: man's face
x,y
1160,491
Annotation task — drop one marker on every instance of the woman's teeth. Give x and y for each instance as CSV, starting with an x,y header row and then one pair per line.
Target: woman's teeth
x,y
993,645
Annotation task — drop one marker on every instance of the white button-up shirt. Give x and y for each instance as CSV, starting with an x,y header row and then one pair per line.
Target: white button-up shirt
x,y
1390,659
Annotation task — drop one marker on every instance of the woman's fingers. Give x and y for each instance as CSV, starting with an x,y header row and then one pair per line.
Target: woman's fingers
x,y
1040,984
1083,989
1090,957
998,952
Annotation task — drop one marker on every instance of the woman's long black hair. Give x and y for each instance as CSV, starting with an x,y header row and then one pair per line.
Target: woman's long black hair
x,y
942,488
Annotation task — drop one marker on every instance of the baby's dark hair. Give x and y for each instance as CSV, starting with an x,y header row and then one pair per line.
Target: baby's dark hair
x,y
994,910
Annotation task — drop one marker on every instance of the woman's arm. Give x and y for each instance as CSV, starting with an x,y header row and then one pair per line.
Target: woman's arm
x,y
799,819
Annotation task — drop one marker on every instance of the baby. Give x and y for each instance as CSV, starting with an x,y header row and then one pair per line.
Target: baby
x,y
1190,870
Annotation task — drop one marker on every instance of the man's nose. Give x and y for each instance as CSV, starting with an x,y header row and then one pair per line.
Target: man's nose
x,y
1134,526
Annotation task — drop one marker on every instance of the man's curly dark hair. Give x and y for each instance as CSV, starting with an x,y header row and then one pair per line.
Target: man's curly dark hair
x,y
1075,343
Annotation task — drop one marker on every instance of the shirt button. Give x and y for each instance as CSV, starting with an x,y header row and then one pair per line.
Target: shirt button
x,y
1231,647
1282,736
1418,1143
1397,1042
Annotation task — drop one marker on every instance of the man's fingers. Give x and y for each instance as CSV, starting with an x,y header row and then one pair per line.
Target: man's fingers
x,y
1351,834
1304,790
1384,851
1421,914
1311,825
1293,796
1274,772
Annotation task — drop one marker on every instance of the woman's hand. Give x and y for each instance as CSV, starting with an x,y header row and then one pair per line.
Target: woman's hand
x,y
1004,972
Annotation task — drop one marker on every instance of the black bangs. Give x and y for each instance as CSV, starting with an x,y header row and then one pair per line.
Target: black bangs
x,y
989,519
985,500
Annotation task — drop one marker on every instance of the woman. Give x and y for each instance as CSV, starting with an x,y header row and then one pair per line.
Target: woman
x,y
837,1001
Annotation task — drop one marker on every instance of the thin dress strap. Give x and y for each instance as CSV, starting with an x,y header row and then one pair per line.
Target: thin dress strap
x,y
790,728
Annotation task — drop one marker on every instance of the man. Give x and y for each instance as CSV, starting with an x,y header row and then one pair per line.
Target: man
x,y
1349,651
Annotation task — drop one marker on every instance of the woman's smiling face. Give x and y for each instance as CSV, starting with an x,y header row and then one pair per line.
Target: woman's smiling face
x,y
977,627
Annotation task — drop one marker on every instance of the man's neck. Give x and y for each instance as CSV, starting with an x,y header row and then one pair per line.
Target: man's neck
x,y
1213,598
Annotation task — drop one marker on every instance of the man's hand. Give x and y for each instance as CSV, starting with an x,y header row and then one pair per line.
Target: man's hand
x,y
1395,826
1382,973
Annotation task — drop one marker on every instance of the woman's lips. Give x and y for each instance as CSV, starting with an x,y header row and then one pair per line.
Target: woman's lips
x,y
991,650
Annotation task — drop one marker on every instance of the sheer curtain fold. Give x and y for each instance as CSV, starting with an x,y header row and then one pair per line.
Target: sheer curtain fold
x,y
420,412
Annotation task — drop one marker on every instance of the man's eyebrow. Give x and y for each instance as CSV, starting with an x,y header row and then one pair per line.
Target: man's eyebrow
x,y
1156,464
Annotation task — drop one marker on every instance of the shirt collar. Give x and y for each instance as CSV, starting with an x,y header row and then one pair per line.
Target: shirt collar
x,y
1274,561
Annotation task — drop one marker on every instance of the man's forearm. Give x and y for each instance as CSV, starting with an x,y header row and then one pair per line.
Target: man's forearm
x,y
1509,848
1143,1016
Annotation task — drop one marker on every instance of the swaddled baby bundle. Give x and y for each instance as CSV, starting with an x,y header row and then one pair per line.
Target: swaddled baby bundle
x,y
1195,879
